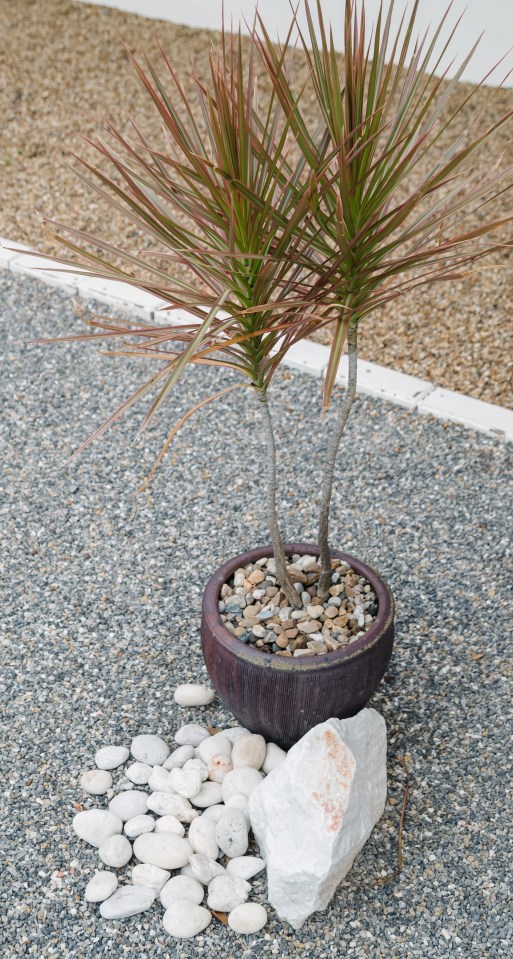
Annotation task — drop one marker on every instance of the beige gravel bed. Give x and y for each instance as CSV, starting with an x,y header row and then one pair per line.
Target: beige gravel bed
x,y
61,62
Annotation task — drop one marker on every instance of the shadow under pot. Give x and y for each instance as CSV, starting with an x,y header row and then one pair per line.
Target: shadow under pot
x,y
283,697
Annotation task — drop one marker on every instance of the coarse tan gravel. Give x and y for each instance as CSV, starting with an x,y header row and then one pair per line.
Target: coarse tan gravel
x,y
62,63
99,622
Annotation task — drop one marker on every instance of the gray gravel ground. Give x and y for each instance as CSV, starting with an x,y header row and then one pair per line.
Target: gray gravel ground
x,y
100,622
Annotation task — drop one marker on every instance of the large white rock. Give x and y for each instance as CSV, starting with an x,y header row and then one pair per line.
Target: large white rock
x,y
194,694
149,749
96,825
158,780
312,815
163,849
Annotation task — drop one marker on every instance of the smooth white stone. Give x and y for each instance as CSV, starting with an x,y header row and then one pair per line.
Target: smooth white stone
x,y
96,781
239,802
158,780
234,732
247,918
169,804
209,795
186,782
179,757
187,870
110,757
202,837
213,812
101,886
192,734
205,869
184,919
199,765
218,767
170,824
96,825
194,694
243,780
138,773
115,851
274,755
330,792
231,832
226,892
144,874
130,803
149,749
163,849
216,745
245,867
181,887
127,901
249,751
138,826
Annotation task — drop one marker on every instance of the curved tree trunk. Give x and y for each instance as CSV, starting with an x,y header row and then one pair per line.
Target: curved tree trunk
x,y
282,575
329,466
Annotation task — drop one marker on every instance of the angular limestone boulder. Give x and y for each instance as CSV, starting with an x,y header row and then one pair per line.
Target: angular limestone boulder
x,y
312,815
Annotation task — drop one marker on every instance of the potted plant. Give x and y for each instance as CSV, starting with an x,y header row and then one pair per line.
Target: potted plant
x,y
280,229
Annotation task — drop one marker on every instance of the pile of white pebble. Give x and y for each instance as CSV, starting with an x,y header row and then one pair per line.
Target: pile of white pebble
x,y
203,784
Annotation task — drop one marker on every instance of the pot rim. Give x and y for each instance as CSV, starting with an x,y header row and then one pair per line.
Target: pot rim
x,y
256,657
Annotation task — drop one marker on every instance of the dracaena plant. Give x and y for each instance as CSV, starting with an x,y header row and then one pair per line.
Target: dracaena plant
x,y
220,198
282,228
390,202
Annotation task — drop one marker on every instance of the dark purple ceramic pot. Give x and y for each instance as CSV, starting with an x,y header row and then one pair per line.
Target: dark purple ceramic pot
x,y
283,697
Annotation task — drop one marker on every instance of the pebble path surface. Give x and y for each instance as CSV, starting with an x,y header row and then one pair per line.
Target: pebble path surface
x,y
100,614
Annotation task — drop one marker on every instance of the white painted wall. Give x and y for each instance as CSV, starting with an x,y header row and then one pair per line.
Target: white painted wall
x,y
494,17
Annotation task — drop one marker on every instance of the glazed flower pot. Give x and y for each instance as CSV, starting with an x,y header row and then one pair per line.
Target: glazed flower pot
x,y
283,697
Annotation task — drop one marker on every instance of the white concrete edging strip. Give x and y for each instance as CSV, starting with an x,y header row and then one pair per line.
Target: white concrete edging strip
x,y
381,382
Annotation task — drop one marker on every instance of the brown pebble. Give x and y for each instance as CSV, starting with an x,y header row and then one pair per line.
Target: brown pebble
x,y
282,641
308,627
288,624
340,620
291,632
331,612
239,630
312,568
256,577
303,652
336,590
299,643
297,576
271,591
283,652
